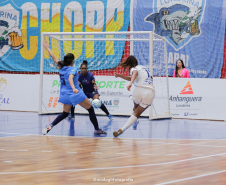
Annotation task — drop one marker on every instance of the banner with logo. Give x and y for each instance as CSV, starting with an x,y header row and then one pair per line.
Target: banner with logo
x,y
189,98
194,31
50,94
114,95
197,98
19,92
22,22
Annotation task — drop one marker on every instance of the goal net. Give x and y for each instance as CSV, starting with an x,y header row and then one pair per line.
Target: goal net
x,y
104,52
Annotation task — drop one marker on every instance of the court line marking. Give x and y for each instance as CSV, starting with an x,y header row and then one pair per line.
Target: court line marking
x,y
108,168
92,137
133,140
162,143
96,152
181,144
194,177
15,136
121,153
9,133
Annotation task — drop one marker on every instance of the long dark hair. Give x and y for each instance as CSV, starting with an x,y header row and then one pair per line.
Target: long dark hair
x,y
176,74
84,63
130,62
68,59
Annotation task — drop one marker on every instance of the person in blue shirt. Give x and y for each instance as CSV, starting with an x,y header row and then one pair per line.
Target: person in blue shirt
x,y
87,81
70,92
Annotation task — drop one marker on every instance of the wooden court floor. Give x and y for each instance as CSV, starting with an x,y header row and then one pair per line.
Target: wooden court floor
x,y
53,160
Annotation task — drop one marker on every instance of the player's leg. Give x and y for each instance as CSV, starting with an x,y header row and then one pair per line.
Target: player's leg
x,y
136,123
58,119
103,108
143,97
72,115
92,116
132,120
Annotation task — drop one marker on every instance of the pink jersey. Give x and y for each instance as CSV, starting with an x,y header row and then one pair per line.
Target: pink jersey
x,y
184,73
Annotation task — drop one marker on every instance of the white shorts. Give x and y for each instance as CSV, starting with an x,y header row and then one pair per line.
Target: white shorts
x,y
143,96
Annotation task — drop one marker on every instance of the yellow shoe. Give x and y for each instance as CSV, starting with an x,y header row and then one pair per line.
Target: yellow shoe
x,y
118,133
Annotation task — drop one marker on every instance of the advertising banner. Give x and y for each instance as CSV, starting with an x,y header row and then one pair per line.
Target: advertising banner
x,y
50,94
189,98
114,95
197,98
19,92
194,31
22,22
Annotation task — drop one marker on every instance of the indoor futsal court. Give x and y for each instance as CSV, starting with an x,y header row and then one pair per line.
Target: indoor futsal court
x,y
173,151
113,92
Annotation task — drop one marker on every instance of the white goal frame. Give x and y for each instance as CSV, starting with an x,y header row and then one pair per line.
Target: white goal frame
x,y
131,39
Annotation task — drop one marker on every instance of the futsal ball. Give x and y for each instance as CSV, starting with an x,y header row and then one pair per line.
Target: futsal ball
x,y
96,103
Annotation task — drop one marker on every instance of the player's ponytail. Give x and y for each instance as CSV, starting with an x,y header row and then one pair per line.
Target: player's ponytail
x,y
84,63
68,59
130,62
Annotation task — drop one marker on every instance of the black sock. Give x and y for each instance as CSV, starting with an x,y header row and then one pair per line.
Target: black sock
x,y
93,118
60,118
72,111
103,108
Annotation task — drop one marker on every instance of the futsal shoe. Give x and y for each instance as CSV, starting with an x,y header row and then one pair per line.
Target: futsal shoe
x,y
99,132
46,130
110,117
118,133
135,125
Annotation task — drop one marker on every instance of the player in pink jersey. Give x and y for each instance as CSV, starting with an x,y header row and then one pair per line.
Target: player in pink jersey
x,y
180,70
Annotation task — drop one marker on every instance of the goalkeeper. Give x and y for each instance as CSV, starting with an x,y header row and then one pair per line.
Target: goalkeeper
x,y
87,82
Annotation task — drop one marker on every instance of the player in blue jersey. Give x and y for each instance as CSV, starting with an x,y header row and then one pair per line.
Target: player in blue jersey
x,y
87,82
144,91
70,92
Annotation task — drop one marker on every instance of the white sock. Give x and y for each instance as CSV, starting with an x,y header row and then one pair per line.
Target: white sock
x,y
132,119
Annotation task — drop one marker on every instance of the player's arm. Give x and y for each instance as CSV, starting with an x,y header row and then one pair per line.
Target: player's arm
x,y
134,75
80,85
94,84
45,45
122,76
71,82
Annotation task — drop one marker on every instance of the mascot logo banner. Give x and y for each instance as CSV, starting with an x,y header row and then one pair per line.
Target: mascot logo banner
x,y
177,21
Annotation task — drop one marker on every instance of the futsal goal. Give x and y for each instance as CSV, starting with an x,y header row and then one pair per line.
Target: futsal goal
x,y
104,52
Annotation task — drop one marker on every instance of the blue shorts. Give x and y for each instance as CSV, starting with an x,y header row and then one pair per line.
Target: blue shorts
x,y
72,99
91,95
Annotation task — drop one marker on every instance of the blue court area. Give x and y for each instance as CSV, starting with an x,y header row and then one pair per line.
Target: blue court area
x,y
26,123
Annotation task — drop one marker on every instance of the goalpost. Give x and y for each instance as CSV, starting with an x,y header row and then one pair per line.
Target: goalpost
x,y
104,51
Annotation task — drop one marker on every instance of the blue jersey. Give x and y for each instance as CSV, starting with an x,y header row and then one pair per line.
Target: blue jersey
x,y
64,73
86,82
